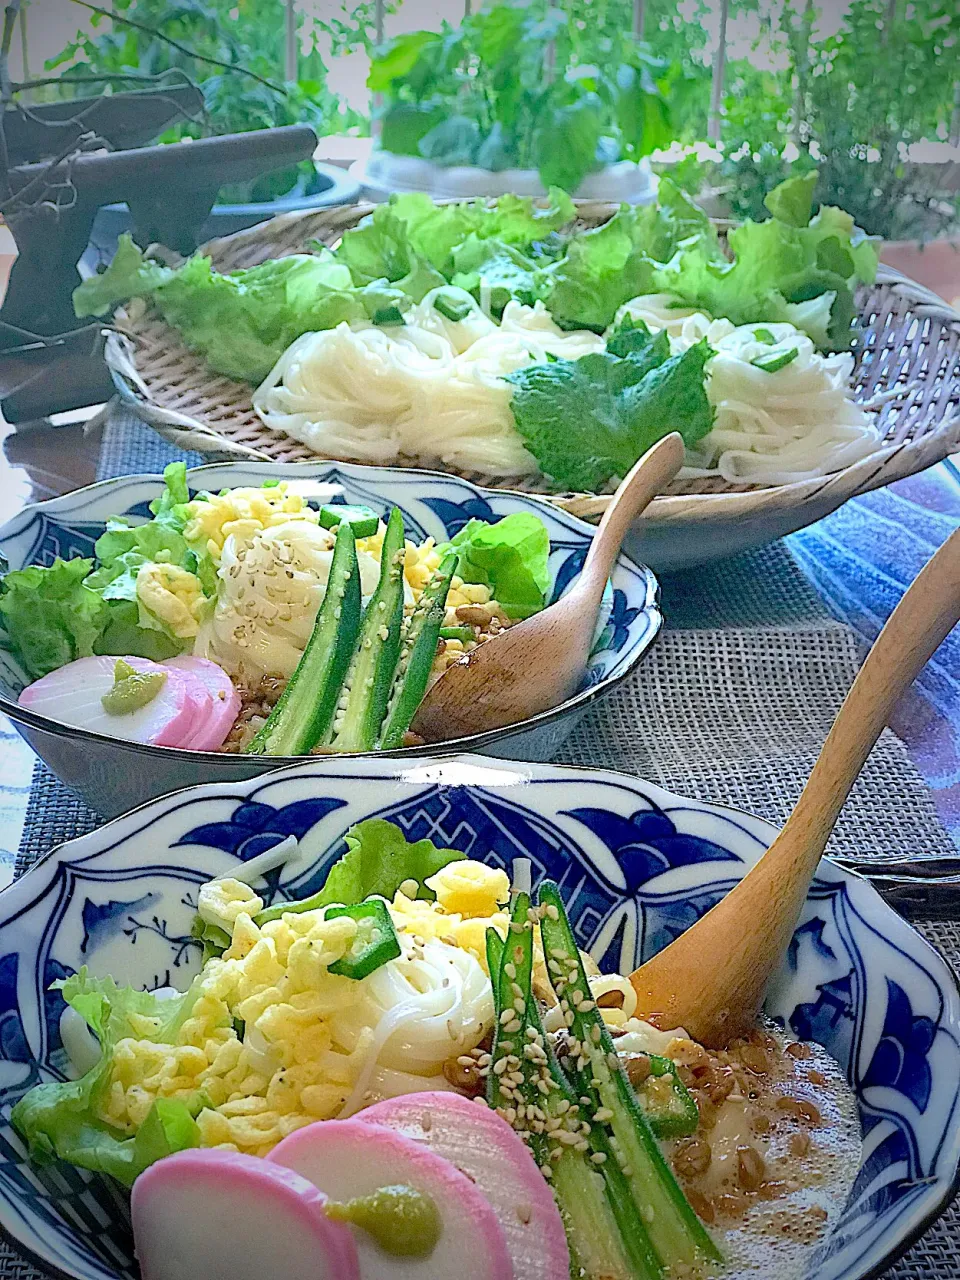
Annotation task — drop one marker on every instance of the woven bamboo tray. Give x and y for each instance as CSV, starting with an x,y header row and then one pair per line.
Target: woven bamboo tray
x,y
907,360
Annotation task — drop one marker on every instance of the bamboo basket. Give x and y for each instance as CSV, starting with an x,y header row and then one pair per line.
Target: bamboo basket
x,y
907,360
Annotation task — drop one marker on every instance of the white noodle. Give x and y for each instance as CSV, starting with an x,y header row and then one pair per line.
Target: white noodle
x,y
431,389
770,428
429,1005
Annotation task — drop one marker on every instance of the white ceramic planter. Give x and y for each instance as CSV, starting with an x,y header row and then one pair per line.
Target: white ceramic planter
x,y
384,173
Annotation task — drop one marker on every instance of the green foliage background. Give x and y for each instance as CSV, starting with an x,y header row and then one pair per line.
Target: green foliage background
x,y
850,103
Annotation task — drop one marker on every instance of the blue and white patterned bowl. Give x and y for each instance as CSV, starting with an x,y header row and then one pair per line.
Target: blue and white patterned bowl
x,y
113,775
636,866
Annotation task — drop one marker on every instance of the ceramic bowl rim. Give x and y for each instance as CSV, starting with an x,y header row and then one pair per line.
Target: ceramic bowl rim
x,y
473,743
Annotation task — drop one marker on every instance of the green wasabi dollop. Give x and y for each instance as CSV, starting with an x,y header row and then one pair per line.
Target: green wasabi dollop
x,y
131,689
402,1220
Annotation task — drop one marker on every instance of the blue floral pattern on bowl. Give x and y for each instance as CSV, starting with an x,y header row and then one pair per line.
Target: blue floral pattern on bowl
x,y
433,505
636,866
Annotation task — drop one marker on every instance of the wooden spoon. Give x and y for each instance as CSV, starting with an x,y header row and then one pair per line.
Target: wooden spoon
x,y
539,663
712,979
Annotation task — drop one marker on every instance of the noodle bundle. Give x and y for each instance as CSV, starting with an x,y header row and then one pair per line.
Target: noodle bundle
x,y
770,428
433,389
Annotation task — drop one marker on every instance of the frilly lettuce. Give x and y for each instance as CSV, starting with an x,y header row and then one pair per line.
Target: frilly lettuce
x,y
410,230
49,616
61,1120
606,267
793,267
122,551
377,862
510,557
240,323
495,273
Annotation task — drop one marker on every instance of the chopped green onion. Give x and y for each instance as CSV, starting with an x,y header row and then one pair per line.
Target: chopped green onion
x,y
458,633
362,520
764,335
773,361
453,308
388,317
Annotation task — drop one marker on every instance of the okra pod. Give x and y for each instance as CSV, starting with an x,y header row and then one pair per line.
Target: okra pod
x,y
677,1234
666,1101
527,1088
360,714
306,708
418,650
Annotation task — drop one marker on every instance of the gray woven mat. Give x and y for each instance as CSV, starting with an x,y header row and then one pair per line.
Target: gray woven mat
x,y
731,705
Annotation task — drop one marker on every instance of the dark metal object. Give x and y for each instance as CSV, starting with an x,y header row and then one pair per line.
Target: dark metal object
x,y
122,119
170,191
920,889
39,379
334,187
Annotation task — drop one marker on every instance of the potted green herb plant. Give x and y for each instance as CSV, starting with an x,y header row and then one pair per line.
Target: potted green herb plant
x,y
519,98
235,51
860,105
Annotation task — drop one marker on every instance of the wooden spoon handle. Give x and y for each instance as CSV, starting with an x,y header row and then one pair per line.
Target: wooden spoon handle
x,y
646,479
927,613
711,980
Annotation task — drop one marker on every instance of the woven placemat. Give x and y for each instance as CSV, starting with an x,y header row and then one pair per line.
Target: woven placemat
x,y
731,705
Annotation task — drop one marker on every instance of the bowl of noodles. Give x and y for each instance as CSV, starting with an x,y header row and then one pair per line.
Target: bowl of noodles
x,y
137,587
211,1007
542,347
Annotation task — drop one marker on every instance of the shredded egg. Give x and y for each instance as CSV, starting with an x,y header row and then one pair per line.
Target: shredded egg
x,y
312,1044
173,595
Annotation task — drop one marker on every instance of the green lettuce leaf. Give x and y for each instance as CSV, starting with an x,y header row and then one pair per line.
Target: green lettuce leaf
x,y
122,550
61,1120
378,860
49,616
240,323
792,201
792,267
587,421
606,267
131,274
601,270
510,557
411,227
496,270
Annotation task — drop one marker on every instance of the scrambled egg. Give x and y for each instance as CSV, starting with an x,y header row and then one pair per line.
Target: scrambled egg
x,y
242,512
308,1035
173,595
